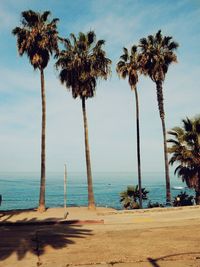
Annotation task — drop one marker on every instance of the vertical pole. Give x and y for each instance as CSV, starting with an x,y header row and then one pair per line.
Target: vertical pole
x,y
65,190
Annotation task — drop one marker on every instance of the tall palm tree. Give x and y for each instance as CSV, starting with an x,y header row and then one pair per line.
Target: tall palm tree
x,y
185,150
81,64
128,66
158,53
37,38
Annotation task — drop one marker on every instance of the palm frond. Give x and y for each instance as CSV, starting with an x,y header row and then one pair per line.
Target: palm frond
x,y
173,141
91,37
45,15
185,150
166,40
158,36
99,44
188,125
125,51
133,49
174,133
173,46
73,37
151,39
143,42
82,37
124,57
29,18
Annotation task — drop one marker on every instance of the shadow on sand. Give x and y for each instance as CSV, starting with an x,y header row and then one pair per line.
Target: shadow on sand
x,y
6,215
154,262
28,236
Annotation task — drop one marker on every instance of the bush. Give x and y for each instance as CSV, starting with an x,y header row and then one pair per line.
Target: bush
x,y
183,199
154,205
130,197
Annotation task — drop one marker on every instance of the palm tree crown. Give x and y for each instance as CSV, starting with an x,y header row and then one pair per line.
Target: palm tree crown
x,y
37,37
185,150
82,62
158,54
129,65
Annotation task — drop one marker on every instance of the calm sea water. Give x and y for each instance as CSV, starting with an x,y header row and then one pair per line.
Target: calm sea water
x,y
21,190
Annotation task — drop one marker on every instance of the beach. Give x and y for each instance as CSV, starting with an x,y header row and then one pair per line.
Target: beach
x,y
106,237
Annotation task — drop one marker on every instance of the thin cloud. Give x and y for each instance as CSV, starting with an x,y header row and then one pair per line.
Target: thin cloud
x,y
111,113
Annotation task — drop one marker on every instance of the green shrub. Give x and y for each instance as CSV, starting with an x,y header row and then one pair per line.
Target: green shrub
x,y
130,197
154,205
183,199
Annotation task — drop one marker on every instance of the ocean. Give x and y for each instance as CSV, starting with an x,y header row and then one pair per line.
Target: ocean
x,y
21,190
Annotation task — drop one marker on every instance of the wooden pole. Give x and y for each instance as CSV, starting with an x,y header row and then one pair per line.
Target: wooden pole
x,y
65,192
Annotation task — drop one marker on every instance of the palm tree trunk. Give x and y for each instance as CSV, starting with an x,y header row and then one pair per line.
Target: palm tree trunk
x,y
138,147
197,197
41,207
91,202
197,191
162,116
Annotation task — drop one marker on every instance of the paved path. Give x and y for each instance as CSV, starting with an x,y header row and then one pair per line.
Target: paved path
x,y
144,239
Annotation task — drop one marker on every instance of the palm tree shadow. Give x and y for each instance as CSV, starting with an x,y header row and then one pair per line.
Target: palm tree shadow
x,y
5,215
29,236
154,261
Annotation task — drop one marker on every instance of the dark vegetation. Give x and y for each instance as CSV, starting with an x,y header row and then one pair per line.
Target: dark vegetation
x,y
130,197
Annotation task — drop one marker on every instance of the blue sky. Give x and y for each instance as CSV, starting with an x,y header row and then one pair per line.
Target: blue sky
x,y
111,114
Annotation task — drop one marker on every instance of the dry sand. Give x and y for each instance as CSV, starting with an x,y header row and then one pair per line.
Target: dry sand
x,y
105,237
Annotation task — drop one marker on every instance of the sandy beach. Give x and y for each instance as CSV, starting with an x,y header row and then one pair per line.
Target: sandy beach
x,y
105,237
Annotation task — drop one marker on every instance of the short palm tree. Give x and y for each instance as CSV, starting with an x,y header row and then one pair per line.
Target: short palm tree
x,y
37,38
185,150
128,66
158,53
81,64
129,198
183,199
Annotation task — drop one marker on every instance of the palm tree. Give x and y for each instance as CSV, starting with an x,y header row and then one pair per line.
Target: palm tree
x,y
185,150
129,198
158,53
81,64
128,66
37,38
183,199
